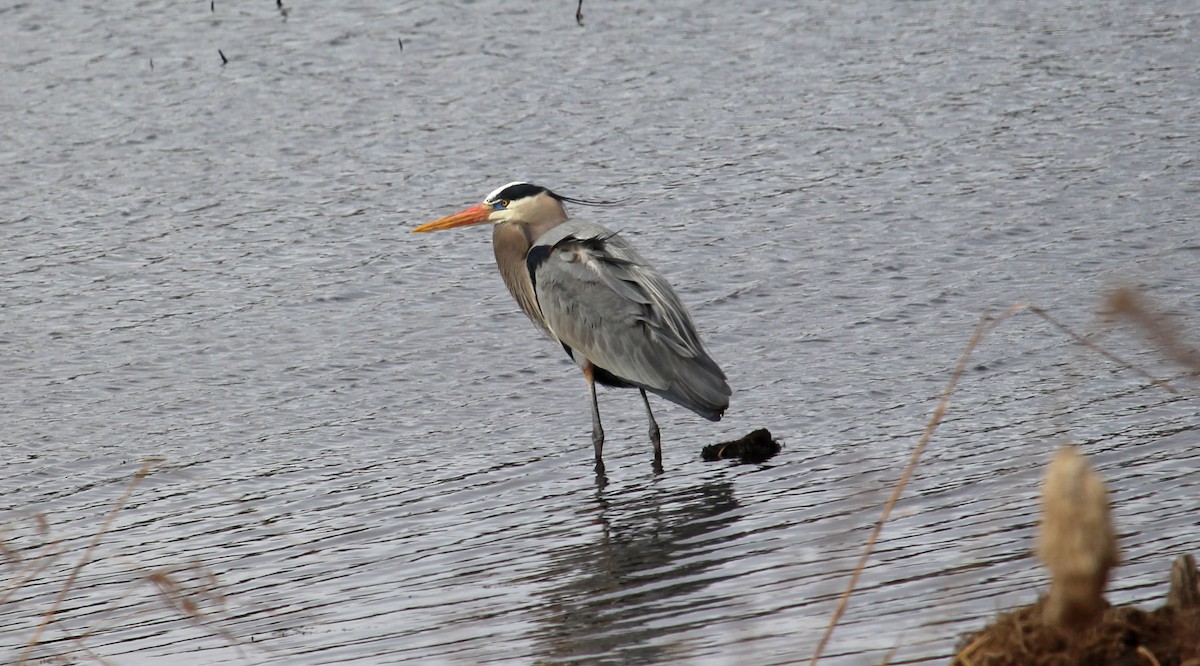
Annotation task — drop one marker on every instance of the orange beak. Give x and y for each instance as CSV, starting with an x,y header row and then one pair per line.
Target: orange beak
x,y
472,215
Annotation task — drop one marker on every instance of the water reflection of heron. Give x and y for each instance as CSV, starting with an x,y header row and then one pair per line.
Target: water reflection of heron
x,y
648,562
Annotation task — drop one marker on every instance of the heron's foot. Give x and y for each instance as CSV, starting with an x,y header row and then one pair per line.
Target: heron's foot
x,y
655,434
598,445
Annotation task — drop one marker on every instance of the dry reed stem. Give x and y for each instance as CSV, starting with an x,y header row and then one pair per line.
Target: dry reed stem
x,y
27,571
181,599
1127,302
48,617
1148,655
943,404
189,602
964,656
887,658
32,571
984,327
1098,349
78,640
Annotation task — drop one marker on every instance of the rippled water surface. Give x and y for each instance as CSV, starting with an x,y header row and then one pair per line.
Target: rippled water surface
x,y
363,453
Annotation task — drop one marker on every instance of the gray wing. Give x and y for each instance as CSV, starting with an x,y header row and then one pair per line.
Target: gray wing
x,y
603,300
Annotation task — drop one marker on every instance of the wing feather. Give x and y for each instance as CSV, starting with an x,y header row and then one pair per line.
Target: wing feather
x,y
602,299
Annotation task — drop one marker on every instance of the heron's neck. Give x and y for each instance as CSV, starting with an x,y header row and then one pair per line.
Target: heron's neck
x,y
511,242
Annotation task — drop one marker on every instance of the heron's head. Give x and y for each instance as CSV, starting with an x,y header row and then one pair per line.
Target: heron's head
x,y
515,202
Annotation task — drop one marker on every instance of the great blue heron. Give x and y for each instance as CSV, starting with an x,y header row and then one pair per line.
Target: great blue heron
x,y
590,291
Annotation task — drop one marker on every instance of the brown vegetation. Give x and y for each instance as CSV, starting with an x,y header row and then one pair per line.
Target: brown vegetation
x,y
1073,625
1119,636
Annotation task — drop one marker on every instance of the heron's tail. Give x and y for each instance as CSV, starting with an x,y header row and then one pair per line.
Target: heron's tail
x,y
698,384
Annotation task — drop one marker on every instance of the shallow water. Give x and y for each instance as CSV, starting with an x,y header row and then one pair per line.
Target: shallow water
x,y
363,452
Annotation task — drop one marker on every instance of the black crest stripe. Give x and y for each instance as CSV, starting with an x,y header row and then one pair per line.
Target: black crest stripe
x,y
518,191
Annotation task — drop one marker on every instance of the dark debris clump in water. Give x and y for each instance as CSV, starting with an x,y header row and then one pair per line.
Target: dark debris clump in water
x,y
758,446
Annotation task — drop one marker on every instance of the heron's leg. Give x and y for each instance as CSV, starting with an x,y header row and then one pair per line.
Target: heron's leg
x,y
655,437
597,429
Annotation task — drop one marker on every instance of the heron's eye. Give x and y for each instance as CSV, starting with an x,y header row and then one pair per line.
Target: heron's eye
x,y
504,203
